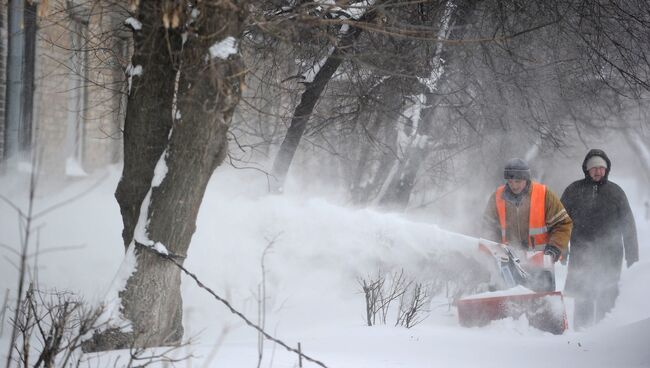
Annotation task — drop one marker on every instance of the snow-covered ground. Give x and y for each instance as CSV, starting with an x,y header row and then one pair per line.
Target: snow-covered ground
x,y
318,251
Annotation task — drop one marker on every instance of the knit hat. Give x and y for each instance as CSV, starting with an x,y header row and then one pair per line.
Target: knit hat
x,y
596,161
516,168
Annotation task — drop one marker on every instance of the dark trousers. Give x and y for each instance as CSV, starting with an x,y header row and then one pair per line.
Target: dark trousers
x,y
589,311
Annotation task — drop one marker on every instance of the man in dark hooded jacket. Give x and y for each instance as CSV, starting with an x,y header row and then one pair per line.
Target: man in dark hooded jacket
x,y
603,228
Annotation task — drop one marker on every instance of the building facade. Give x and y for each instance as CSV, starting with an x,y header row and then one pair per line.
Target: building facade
x,y
63,86
3,73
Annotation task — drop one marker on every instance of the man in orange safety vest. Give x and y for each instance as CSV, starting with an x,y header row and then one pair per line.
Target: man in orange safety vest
x,y
526,215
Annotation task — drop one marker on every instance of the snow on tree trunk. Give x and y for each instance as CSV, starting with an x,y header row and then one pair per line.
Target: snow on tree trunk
x,y
403,181
209,88
148,113
453,25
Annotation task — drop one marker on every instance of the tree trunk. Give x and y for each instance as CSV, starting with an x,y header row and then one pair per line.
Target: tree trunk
x,y
308,101
148,112
386,126
359,171
207,94
197,146
399,190
402,183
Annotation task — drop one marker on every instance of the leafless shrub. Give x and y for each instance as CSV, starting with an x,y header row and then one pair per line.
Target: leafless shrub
x,y
399,284
453,273
371,287
413,306
381,290
50,327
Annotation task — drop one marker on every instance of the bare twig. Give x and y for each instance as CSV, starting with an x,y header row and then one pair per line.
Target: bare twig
x,y
262,300
12,205
4,311
22,268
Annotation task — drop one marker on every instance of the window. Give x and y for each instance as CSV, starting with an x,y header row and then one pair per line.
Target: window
x,y
77,92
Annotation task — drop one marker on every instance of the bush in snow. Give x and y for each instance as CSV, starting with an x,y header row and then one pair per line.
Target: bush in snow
x,y
453,273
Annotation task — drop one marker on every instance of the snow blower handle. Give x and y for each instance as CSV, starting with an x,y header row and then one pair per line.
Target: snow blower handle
x,y
508,264
516,263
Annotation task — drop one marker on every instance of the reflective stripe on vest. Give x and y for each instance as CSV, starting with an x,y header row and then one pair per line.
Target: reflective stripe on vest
x,y
537,230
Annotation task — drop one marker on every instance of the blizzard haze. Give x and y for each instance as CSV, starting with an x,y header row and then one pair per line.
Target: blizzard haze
x,y
315,249
381,130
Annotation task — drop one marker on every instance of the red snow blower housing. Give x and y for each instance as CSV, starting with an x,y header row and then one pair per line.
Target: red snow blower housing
x,y
526,283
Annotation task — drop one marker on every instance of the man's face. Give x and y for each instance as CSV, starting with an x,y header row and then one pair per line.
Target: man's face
x,y
517,185
597,173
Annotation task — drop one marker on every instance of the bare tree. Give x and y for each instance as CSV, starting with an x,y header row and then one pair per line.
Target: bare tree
x,y
429,135
183,95
349,33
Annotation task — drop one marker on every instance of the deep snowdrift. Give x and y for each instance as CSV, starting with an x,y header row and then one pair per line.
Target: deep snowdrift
x,y
318,252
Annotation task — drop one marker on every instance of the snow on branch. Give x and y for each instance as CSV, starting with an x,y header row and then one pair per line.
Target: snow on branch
x,y
224,48
133,71
133,23
332,10
309,75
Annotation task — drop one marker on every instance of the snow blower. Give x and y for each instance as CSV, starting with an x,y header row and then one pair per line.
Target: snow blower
x,y
526,286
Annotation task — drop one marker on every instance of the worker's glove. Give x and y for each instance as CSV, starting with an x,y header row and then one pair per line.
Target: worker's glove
x,y
553,251
564,260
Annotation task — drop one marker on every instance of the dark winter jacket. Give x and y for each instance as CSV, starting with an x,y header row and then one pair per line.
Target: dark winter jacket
x,y
603,228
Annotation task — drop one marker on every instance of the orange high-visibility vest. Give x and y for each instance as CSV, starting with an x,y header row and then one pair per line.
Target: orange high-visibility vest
x,y
537,230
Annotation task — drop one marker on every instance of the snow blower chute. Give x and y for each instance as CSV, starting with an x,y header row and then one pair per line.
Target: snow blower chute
x,y
526,284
